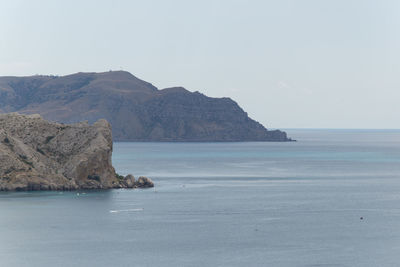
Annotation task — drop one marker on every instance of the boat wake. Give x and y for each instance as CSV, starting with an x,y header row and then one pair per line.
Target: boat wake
x,y
128,210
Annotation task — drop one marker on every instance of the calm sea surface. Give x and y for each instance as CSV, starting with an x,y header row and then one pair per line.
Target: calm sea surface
x,y
223,204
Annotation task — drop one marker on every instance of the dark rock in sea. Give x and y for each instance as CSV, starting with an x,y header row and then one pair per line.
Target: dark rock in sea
x,y
144,182
36,154
129,181
137,110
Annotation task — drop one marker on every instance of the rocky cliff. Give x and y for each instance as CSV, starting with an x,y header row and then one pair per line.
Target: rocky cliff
x,y
137,110
39,155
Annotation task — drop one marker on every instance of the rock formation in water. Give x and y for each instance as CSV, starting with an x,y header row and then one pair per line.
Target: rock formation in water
x,y
137,110
36,154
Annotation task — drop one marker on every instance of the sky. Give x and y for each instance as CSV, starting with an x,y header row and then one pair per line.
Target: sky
x,y
288,63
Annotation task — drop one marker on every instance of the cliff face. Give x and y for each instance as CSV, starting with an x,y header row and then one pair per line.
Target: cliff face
x,y
137,110
39,155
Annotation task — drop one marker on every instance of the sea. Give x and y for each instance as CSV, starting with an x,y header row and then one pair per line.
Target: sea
x,y
330,199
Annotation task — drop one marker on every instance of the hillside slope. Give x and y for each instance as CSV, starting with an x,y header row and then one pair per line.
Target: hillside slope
x,y
136,109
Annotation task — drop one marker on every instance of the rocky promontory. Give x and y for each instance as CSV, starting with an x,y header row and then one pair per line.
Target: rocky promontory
x,y
137,110
36,154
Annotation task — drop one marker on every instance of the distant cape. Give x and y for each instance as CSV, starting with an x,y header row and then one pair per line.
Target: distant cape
x,y
136,109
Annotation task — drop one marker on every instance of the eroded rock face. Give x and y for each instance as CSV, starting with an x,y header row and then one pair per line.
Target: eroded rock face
x,y
36,154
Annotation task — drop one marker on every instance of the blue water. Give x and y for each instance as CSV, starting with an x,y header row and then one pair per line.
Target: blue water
x,y
223,204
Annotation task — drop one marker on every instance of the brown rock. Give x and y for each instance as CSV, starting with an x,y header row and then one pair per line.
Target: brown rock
x,y
144,182
129,181
36,154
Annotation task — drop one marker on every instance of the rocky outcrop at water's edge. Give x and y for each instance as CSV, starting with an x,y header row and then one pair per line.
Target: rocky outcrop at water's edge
x,y
36,154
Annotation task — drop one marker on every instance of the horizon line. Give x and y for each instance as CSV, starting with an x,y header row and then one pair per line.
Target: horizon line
x,y
354,129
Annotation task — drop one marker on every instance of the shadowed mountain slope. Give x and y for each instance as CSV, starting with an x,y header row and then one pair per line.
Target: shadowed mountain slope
x,y
137,110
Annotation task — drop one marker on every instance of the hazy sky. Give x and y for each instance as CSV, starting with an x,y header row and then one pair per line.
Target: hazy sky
x,y
289,64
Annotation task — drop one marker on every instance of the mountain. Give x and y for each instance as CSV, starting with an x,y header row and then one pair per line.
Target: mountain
x,y
136,109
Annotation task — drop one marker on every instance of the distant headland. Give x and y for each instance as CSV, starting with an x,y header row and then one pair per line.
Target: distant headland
x,y
136,109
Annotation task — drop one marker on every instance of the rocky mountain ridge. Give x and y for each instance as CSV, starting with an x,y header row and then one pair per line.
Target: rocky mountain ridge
x,y
137,110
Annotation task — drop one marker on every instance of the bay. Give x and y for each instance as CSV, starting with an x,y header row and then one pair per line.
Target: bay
x,y
223,204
